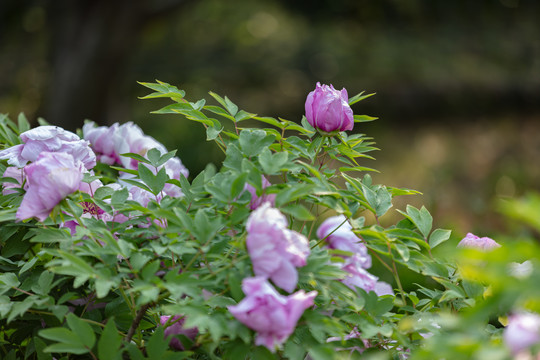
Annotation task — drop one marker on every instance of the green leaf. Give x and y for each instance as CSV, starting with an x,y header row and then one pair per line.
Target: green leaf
x,y
72,348
157,345
252,141
420,218
154,182
238,184
212,132
359,97
162,90
136,157
5,305
363,118
439,236
40,349
23,123
379,198
9,279
298,211
166,157
272,163
109,342
153,156
82,329
60,334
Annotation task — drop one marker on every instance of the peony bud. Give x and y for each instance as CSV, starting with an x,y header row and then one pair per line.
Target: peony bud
x,y
328,109
480,243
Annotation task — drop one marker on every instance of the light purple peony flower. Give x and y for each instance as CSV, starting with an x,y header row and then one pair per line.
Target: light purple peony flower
x,y
523,331
359,277
339,235
103,141
14,173
257,201
275,250
328,109
272,315
175,326
49,139
473,241
50,178
110,142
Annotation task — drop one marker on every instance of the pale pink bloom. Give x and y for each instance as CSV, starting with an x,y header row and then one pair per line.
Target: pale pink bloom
x,y
110,142
359,277
339,235
328,109
49,139
275,250
175,326
103,142
272,315
473,241
51,178
522,332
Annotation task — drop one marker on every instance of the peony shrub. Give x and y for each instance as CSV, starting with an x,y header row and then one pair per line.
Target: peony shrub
x,y
111,249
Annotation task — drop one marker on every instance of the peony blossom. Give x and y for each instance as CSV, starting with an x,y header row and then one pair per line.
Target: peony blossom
x,y
175,326
275,250
523,331
272,315
473,241
51,178
48,139
339,235
257,201
359,277
110,142
328,109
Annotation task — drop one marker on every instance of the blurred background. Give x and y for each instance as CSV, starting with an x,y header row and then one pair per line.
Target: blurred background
x,y
457,82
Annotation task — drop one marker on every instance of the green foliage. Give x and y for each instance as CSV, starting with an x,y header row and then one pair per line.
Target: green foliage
x,y
99,292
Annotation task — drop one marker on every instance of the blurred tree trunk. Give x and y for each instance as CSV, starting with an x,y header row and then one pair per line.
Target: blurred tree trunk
x,y
91,41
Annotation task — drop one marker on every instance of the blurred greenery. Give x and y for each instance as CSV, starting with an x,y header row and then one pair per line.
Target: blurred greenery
x,y
456,81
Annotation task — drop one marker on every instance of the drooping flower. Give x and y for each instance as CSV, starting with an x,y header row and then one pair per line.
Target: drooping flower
x,y
50,178
481,243
48,139
328,109
522,332
272,315
275,250
257,201
175,326
339,235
